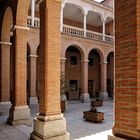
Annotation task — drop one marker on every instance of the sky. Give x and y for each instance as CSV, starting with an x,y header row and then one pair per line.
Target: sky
x,y
98,0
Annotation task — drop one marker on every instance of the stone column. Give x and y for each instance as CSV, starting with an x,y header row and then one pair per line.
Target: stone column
x,y
50,123
62,12
103,29
85,94
32,91
85,24
5,77
32,12
127,71
104,79
63,60
20,112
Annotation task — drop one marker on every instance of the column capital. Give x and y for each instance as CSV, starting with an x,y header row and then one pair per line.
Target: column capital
x,y
33,55
85,60
104,62
20,27
103,18
63,58
62,5
5,43
85,12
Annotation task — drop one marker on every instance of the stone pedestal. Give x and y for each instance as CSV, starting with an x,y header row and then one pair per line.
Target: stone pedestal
x,y
19,115
85,98
4,108
50,128
114,138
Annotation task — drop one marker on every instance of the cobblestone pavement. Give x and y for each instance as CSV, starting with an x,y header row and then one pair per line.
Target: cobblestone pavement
x,y
79,128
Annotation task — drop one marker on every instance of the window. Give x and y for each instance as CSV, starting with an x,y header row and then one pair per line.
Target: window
x,y
90,61
73,85
73,60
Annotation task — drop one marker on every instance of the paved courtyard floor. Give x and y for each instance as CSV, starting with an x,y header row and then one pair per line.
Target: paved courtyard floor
x,y
79,128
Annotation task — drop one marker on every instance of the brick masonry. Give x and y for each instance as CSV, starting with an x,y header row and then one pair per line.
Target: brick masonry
x,y
127,115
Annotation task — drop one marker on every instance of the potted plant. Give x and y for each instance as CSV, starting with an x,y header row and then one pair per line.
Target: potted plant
x,y
63,97
93,115
98,100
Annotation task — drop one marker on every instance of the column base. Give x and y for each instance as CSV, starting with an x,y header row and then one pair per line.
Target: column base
x,y
50,128
114,138
85,98
19,115
33,100
4,108
104,95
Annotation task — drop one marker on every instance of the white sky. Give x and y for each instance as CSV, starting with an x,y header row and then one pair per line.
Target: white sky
x,y
98,0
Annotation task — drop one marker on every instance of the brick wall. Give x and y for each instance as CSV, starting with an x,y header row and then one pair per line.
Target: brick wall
x,y
127,120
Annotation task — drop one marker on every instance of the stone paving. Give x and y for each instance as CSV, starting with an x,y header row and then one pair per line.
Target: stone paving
x,y
79,128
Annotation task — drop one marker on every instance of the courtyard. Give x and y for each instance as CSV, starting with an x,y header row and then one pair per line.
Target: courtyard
x,y
78,128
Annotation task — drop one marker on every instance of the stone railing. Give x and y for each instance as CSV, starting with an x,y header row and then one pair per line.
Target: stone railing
x,y
89,34
36,22
67,29
94,35
73,30
109,38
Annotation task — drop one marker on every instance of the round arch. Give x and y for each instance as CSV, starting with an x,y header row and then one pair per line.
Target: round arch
x,y
108,52
94,72
77,45
102,56
7,25
75,5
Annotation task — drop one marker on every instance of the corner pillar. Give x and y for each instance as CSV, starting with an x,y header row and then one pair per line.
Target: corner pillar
x,y
20,112
127,67
49,115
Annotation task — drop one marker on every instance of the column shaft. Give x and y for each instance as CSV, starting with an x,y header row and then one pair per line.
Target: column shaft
x,y
104,79
85,24
104,30
85,94
5,73
63,60
61,25
32,12
33,75
50,60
